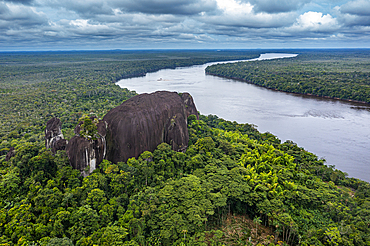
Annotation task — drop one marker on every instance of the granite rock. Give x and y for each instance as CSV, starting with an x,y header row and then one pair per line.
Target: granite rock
x,y
146,120
54,139
86,154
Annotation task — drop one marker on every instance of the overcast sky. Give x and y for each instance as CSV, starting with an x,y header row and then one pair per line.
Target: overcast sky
x,y
188,24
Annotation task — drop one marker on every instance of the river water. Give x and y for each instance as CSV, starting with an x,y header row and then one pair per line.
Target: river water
x,y
335,130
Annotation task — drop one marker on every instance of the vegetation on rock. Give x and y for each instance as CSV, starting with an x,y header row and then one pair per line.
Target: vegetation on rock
x,y
233,185
88,128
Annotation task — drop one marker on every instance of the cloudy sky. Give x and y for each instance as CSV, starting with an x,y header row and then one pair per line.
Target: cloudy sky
x,y
188,24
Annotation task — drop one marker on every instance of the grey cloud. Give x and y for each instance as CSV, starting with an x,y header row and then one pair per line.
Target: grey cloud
x,y
172,23
3,10
86,8
25,2
354,13
358,7
89,8
354,20
20,17
247,35
176,7
112,29
275,6
283,32
252,21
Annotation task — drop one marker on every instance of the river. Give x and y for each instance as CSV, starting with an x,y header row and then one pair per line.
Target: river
x,y
335,130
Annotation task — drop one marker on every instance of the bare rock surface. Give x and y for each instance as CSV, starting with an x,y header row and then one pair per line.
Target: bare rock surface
x,y
86,154
137,125
189,105
146,120
54,139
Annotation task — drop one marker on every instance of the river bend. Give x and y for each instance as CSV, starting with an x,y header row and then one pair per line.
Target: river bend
x,y
335,130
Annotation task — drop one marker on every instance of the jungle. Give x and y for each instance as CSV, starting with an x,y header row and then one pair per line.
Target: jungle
x,y
232,186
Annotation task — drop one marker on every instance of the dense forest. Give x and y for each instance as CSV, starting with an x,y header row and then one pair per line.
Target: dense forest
x,y
340,74
34,86
233,185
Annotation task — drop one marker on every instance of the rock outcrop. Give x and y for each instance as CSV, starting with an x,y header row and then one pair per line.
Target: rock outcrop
x,y
54,139
137,125
85,154
189,105
146,120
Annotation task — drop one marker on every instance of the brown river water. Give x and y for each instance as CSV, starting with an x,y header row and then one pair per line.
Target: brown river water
x,y
337,131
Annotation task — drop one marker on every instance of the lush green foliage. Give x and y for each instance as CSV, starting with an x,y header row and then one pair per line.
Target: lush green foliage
x,y
35,86
88,128
230,175
171,197
343,74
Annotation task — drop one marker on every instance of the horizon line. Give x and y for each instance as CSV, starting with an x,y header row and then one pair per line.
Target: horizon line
x,y
177,49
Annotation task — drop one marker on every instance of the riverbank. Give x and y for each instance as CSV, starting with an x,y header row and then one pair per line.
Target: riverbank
x,y
181,198
294,93
332,129
323,74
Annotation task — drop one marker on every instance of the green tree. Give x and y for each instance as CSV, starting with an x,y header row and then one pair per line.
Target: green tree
x,y
60,242
85,221
96,199
88,128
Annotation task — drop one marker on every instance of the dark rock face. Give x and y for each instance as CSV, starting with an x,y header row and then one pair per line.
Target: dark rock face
x,y
54,139
10,154
137,125
146,120
60,144
189,105
84,154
